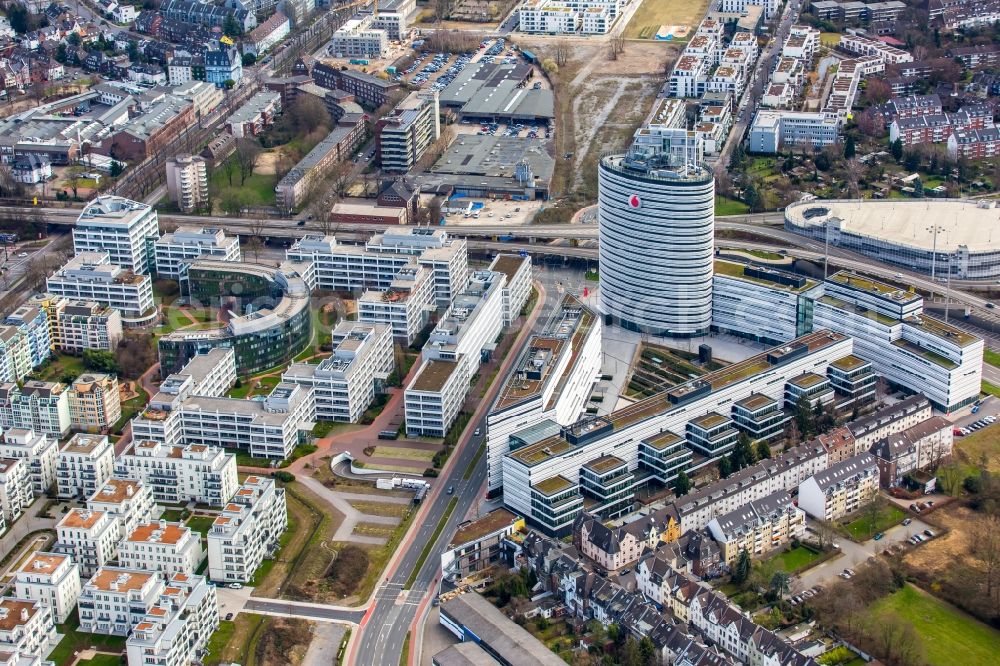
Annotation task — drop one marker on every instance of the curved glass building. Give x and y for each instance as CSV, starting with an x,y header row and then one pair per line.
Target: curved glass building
x,y
656,211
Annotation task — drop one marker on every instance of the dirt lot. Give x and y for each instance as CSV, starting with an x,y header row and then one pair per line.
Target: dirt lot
x,y
945,551
599,104
653,14
985,443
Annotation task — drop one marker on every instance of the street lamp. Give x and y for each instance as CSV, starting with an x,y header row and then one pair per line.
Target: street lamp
x,y
934,228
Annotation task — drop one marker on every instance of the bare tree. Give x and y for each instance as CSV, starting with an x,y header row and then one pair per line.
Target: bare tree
x,y
256,241
986,548
616,46
340,178
561,53
247,155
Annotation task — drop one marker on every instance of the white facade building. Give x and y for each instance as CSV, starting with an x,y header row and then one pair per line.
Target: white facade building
x,y
53,580
41,407
115,599
357,38
38,450
26,629
840,490
187,182
773,131
246,531
83,465
759,303
180,474
90,276
177,250
517,289
127,501
404,306
15,488
170,548
89,537
176,630
75,326
119,227
346,382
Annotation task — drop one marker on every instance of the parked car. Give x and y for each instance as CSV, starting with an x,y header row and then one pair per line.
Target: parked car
x,y
878,537
929,533
907,521
236,586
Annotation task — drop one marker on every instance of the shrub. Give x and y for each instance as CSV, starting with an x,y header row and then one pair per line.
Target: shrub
x,y
284,477
430,472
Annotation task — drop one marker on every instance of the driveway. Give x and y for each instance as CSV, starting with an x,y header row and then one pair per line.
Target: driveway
x,y
854,554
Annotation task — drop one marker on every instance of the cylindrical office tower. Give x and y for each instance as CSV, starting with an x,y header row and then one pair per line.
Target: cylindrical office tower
x,y
657,226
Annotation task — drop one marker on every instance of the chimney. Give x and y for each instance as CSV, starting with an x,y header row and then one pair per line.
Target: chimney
x,y
129,490
163,524
24,615
114,586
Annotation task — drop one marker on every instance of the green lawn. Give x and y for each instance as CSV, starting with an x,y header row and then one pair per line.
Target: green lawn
x,y
796,559
75,640
949,635
244,459
258,190
218,641
724,206
129,409
201,524
991,357
59,367
102,660
172,515
861,528
764,254
991,389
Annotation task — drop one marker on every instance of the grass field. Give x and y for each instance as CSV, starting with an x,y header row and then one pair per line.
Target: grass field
x,y
101,660
258,190
651,14
991,357
796,559
829,39
946,631
861,528
58,367
985,442
75,640
403,453
990,389
201,524
724,206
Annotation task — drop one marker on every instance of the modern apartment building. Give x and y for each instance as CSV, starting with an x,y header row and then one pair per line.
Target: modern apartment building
x,y
588,17
89,537
15,354
358,38
42,407
550,383
32,323
170,548
476,544
774,131
657,221
541,480
128,501
410,129
15,488
405,306
119,227
76,326
458,344
187,182
176,250
116,599
841,489
27,629
176,630
758,527
180,474
38,450
53,580
346,382
517,289
83,464
94,402
246,531
90,276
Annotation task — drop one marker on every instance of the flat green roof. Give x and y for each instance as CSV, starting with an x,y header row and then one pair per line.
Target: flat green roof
x,y
553,485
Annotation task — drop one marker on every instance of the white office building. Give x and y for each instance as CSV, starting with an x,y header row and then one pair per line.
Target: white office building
x,y
346,382
89,537
38,450
246,531
453,352
127,501
52,579
774,131
180,474
120,227
841,489
446,257
42,407
656,212
405,306
83,464
517,289
759,303
176,250
358,38
548,387
176,630
170,548
90,276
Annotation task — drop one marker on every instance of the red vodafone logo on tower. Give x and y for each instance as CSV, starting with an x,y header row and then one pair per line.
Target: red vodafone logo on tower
x,y
634,201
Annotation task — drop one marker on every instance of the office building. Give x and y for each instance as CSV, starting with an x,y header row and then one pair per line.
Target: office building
x,y
42,407
51,579
170,548
517,289
405,306
759,303
759,527
94,402
83,464
127,501
774,131
180,474
27,629
76,326
548,386
246,531
187,182
541,480
15,488
462,339
657,219
89,537
446,257
176,630
90,276
358,38
840,490
346,382
176,250
38,450
410,129
120,227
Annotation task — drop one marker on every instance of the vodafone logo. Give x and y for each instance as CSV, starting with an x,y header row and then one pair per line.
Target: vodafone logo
x,y
634,201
